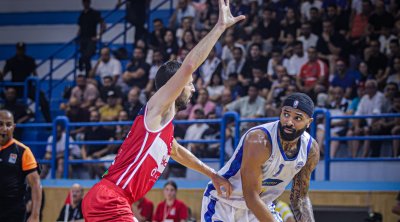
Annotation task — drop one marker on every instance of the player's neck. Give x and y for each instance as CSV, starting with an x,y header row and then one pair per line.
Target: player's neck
x,y
170,202
290,147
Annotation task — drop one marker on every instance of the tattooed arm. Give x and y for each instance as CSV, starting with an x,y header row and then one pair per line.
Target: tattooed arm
x,y
301,204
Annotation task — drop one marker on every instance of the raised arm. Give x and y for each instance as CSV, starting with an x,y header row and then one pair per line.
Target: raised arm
x,y
256,150
167,94
183,156
299,199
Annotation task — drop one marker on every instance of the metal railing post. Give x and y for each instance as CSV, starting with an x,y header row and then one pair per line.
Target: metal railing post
x,y
225,117
66,150
313,128
327,144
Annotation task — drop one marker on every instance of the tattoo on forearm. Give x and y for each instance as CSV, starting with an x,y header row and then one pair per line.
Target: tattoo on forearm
x,y
301,203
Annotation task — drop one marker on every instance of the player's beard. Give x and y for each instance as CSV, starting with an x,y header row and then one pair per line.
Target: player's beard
x,y
181,103
290,136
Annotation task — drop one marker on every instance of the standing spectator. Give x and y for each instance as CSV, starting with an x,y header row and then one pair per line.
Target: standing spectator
x,y
18,166
143,210
171,209
308,38
312,73
74,210
133,105
74,152
183,9
86,93
137,71
298,59
110,111
96,151
87,34
22,67
136,15
250,106
106,66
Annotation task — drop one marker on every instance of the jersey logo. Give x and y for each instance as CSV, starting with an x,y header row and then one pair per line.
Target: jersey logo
x,y
164,161
13,158
295,104
299,165
280,170
271,182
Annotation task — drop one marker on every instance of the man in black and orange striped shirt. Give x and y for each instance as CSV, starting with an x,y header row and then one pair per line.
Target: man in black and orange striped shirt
x,y
17,165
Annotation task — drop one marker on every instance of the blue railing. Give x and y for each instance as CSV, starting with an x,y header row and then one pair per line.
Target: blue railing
x,y
229,116
30,82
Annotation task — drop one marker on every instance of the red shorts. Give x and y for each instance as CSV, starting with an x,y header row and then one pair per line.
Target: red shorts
x,y
106,202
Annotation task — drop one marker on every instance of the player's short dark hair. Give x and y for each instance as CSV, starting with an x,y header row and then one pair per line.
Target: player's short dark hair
x,y
165,72
172,183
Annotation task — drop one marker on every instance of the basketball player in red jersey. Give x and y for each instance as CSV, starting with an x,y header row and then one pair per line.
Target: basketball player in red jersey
x,y
146,150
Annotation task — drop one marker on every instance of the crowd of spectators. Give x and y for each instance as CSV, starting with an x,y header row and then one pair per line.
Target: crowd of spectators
x,y
344,54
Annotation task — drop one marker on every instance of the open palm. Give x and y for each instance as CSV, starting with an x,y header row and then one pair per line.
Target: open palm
x,y
226,18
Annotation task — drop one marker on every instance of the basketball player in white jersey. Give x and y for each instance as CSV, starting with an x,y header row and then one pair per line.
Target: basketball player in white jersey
x,y
267,158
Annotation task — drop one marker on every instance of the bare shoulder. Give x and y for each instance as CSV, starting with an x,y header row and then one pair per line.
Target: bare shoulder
x,y
257,145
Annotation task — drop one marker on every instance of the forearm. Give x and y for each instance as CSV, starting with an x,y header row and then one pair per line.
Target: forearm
x,y
200,52
36,198
187,159
302,209
258,208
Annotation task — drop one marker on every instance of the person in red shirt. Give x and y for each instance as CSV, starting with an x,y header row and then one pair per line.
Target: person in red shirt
x,y
312,73
143,209
171,209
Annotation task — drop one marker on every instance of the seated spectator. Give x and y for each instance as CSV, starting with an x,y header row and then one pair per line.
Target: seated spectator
x,y
235,86
186,24
307,5
74,211
195,131
215,87
255,59
137,71
86,93
143,210
226,98
110,111
376,61
338,106
96,151
212,65
345,78
183,9
250,106
157,35
74,152
106,66
371,103
188,40
236,64
315,21
21,112
108,85
308,38
396,129
203,103
261,81
276,59
395,75
228,48
75,113
170,47
279,91
312,73
298,59
158,60
133,105
171,209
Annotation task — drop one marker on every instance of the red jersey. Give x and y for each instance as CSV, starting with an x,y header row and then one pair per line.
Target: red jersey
x,y
177,212
312,71
146,208
141,158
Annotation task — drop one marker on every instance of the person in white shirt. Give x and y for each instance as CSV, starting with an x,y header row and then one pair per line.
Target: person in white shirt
x,y
307,38
195,131
298,59
236,64
183,9
276,59
106,66
371,103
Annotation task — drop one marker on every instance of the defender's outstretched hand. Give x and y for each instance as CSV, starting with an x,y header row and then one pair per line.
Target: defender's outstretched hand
x,y
226,18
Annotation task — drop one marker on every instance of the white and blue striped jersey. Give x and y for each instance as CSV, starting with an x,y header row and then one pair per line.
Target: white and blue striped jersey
x,y
277,171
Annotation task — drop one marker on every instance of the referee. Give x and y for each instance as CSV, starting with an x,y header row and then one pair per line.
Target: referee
x,y
17,165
